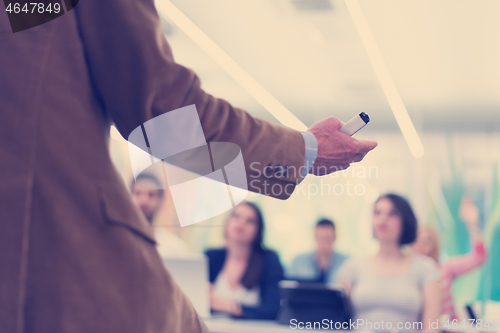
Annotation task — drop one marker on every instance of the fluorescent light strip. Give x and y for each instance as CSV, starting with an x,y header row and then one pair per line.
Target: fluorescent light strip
x,y
271,104
385,79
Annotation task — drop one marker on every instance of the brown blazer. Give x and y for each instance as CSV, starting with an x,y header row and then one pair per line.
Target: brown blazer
x,y
76,256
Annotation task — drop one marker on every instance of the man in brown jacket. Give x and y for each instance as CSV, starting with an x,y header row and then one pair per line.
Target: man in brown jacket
x,y
76,256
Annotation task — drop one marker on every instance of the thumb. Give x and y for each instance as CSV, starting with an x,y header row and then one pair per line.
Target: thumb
x,y
366,146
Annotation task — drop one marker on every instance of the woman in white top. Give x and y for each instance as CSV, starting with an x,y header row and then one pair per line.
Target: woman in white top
x,y
393,290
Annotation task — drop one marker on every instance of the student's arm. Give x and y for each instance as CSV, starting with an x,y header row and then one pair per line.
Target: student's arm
x,y
459,265
224,305
346,275
430,282
432,305
346,285
269,291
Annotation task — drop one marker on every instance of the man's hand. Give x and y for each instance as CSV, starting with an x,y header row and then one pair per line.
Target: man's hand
x,y
336,150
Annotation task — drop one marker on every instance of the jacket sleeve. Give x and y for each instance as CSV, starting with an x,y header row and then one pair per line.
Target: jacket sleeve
x,y
137,79
269,291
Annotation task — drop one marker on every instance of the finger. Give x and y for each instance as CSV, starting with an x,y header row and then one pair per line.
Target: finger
x,y
365,146
334,123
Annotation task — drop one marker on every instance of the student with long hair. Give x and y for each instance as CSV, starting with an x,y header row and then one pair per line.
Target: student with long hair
x,y
427,243
401,289
244,275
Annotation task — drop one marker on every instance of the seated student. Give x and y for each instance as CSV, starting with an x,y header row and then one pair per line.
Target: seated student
x,y
402,290
428,244
321,265
148,196
243,275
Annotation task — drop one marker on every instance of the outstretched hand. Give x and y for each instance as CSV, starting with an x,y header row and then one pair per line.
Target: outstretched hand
x,y
336,150
469,213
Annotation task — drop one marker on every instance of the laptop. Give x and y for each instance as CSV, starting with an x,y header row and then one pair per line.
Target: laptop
x,y
191,274
313,302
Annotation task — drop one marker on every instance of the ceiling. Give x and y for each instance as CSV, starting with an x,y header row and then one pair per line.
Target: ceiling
x,y
442,55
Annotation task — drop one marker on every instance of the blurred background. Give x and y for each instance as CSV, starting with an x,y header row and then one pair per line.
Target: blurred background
x,y
442,57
